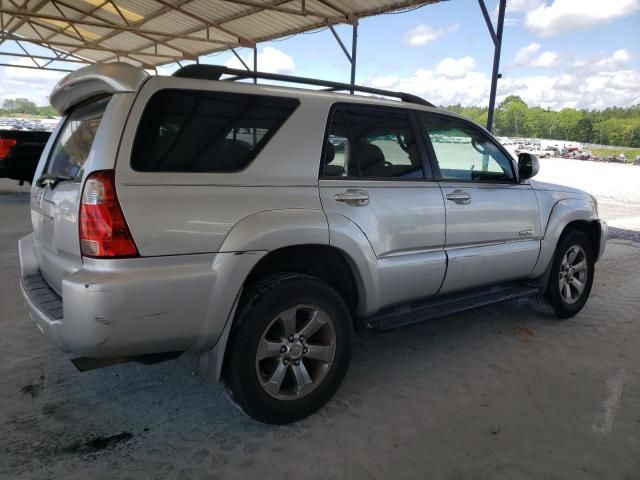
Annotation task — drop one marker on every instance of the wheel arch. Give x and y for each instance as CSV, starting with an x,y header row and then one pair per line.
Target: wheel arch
x,y
567,214
327,263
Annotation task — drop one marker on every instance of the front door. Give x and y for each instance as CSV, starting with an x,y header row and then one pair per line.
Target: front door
x,y
493,229
373,175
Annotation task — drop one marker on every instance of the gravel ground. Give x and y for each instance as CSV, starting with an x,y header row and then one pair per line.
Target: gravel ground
x,y
616,186
501,392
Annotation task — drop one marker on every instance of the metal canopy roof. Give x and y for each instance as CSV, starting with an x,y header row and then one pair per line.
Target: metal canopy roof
x,y
154,32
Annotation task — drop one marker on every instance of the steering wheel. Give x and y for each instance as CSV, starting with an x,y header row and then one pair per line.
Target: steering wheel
x,y
403,145
478,147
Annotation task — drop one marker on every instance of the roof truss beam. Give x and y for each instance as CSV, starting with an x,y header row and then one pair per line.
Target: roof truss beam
x,y
112,26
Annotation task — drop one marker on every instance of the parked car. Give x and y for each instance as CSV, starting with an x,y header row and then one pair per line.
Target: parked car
x,y
189,213
20,152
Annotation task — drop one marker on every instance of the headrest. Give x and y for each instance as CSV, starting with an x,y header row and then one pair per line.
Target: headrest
x,y
329,153
368,155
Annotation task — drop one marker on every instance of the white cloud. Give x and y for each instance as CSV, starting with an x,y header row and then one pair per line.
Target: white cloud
x,y
425,34
36,85
270,60
608,83
603,63
455,68
527,56
525,53
546,60
521,5
621,55
453,81
511,21
566,15
384,81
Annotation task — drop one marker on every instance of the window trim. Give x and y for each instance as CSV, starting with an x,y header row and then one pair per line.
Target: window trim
x,y
266,138
475,127
425,164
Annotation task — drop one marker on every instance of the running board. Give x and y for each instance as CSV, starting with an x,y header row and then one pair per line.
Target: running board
x,y
441,306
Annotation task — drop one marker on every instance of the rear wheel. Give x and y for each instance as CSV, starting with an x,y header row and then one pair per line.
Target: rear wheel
x,y
290,349
571,275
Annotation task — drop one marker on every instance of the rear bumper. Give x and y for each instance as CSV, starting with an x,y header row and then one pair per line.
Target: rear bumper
x,y
130,306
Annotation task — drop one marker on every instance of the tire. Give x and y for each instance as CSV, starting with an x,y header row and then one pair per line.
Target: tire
x,y
557,299
273,311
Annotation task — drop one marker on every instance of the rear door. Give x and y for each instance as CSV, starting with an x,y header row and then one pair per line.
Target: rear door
x,y
373,174
493,230
55,198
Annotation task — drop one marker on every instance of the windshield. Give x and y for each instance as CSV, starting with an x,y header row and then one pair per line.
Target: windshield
x,y
73,144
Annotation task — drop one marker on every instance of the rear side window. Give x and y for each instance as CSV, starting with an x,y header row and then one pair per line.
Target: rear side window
x,y
373,143
201,131
73,144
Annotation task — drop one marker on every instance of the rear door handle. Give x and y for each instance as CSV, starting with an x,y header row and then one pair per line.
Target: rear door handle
x,y
460,197
353,197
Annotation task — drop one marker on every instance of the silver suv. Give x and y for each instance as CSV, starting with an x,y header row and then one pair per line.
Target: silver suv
x,y
259,226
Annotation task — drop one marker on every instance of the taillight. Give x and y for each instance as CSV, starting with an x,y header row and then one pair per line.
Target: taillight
x,y
103,230
6,144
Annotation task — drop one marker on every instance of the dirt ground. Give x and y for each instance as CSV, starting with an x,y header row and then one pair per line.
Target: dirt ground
x,y
497,393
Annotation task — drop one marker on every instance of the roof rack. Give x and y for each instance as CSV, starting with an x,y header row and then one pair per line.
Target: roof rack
x,y
215,72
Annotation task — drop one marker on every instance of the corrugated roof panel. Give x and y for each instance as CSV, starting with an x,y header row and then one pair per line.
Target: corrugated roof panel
x,y
215,10
228,22
173,22
94,55
126,41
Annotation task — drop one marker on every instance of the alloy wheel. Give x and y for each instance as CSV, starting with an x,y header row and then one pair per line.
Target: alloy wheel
x,y
295,352
573,274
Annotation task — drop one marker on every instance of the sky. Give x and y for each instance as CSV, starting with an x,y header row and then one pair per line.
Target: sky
x,y
555,54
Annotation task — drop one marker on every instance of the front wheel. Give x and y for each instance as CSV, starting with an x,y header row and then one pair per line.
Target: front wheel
x,y
571,275
290,348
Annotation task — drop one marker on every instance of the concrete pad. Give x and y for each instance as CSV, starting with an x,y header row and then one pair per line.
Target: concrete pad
x,y
500,392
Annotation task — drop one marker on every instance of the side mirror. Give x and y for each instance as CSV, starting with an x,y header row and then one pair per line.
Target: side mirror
x,y
528,166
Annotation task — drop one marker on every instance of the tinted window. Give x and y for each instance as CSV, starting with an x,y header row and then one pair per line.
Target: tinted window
x,y
465,153
374,143
74,142
200,131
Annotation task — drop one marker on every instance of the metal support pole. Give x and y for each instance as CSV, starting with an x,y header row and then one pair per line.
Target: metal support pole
x,y
496,64
255,81
354,53
255,62
244,64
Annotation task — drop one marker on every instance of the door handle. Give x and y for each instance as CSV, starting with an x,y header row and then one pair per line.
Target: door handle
x,y
353,197
460,197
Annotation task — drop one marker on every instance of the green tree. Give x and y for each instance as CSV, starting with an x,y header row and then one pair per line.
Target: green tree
x,y
20,105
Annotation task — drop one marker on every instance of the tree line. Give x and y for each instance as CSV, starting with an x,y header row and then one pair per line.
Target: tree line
x,y
17,106
514,118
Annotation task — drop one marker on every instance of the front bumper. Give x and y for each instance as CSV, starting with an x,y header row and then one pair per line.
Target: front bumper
x,y
122,307
604,230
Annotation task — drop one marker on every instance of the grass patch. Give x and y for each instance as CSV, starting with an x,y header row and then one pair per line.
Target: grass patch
x,y
630,153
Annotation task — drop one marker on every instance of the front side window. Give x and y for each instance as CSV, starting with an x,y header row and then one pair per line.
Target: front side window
x,y
371,143
72,147
201,131
465,153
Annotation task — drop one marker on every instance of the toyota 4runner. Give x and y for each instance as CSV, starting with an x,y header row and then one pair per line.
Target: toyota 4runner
x,y
260,225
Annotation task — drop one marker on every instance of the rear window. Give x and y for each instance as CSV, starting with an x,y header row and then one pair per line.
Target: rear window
x,y
73,144
201,131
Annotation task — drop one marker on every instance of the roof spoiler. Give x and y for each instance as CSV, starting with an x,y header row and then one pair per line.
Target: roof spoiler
x,y
95,80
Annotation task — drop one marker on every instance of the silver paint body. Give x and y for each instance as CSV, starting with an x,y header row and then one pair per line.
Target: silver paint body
x,y
200,234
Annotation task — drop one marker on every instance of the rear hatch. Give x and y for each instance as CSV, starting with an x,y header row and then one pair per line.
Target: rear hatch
x,y
55,195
